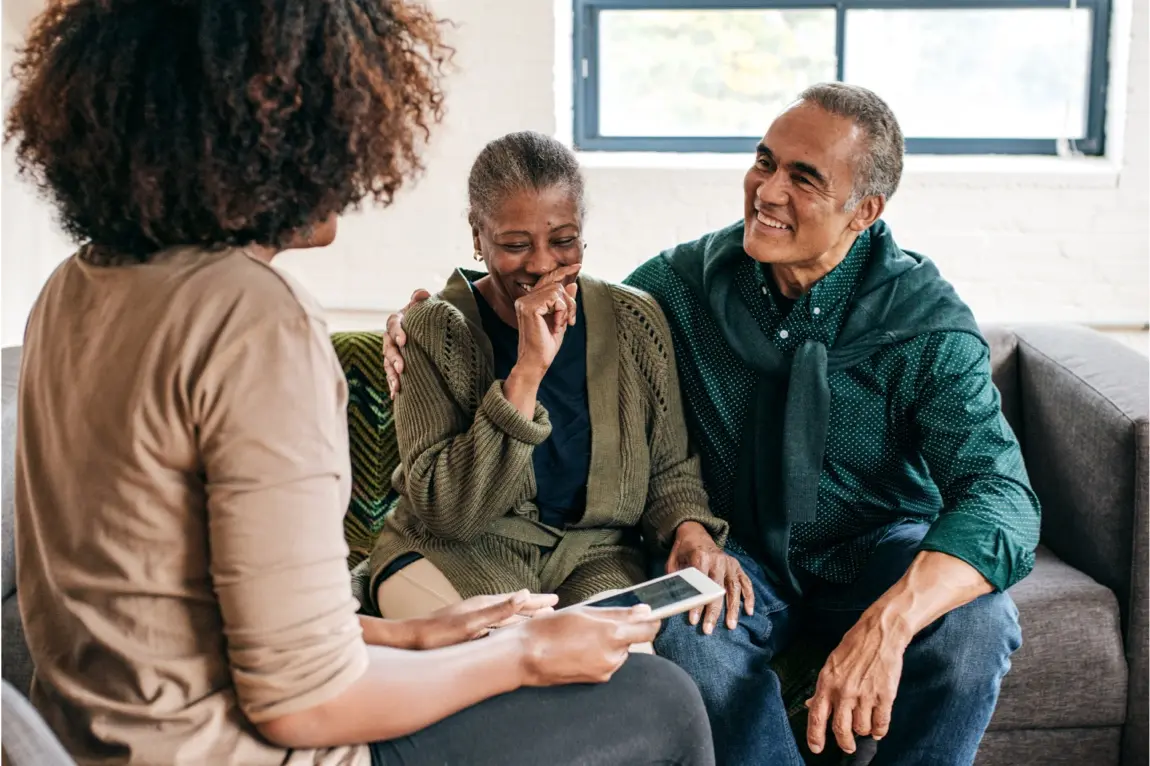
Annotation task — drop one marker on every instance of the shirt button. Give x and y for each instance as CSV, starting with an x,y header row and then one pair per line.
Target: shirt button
x,y
784,334
816,310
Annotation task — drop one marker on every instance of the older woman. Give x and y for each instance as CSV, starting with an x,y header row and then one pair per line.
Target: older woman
x,y
182,460
540,424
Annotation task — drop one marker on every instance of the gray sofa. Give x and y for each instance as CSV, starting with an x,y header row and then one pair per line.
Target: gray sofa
x,y
1077,693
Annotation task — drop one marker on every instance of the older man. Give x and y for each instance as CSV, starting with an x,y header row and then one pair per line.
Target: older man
x,y
840,394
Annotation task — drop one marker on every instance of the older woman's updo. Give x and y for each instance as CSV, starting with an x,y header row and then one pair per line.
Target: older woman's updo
x,y
523,161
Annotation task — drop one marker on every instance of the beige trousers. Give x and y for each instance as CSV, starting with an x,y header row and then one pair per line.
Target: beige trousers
x,y
420,588
417,590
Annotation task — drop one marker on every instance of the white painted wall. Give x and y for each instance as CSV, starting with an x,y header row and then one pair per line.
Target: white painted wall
x,y
1024,239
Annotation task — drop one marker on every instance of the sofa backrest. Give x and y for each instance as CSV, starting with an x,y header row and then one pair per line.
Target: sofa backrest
x,y
368,398
11,373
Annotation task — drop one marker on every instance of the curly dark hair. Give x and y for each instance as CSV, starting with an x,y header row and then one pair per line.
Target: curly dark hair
x,y
154,123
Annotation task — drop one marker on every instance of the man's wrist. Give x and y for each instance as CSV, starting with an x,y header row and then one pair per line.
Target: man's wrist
x,y
891,617
934,584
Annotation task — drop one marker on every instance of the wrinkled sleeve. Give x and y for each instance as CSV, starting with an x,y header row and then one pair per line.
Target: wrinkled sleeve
x,y
990,517
273,441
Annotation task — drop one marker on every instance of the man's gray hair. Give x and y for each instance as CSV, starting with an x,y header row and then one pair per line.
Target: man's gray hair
x,y
524,161
879,170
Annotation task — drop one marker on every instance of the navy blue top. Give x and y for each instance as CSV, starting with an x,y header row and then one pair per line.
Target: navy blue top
x,y
563,461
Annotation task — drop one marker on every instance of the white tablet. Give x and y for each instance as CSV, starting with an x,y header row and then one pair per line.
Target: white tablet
x,y
667,596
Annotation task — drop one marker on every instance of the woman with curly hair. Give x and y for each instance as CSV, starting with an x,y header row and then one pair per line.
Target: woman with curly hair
x,y
182,459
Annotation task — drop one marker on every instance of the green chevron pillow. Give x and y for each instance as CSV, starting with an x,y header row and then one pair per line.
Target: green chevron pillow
x,y
371,435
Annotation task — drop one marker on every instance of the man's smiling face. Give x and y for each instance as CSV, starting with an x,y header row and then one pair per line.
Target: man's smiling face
x,y
797,191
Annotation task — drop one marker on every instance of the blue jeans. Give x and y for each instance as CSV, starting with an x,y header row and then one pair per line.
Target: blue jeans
x,y
952,670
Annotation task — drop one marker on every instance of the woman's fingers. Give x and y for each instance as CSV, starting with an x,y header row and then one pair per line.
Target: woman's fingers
x,y
551,290
711,615
570,291
707,565
558,275
537,602
530,604
514,619
481,620
561,308
734,596
748,592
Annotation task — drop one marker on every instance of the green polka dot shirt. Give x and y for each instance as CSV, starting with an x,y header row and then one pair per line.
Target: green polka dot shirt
x,y
916,432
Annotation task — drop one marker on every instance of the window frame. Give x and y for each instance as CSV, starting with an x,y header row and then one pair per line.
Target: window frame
x,y
585,71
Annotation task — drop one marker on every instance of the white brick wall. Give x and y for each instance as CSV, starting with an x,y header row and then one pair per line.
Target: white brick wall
x,y
1023,239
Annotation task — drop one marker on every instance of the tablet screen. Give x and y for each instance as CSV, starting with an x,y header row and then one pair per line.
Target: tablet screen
x,y
655,594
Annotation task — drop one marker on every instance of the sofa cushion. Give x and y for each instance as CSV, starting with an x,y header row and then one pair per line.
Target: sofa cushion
x,y
1051,747
371,437
1070,671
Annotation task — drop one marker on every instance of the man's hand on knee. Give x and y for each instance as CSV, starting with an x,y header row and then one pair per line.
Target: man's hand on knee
x,y
857,686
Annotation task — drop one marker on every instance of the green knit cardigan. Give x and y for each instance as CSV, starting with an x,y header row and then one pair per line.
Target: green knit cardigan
x,y
466,480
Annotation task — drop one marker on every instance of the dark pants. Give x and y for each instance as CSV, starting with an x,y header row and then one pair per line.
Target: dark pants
x,y
648,713
951,675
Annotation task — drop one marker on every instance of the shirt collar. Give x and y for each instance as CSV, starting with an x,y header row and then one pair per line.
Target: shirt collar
x,y
831,293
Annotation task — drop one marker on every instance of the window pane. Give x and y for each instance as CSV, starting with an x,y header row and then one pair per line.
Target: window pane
x,y
1019,73
707,73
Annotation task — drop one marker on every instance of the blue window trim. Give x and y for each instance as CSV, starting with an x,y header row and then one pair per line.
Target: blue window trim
x,y
586,76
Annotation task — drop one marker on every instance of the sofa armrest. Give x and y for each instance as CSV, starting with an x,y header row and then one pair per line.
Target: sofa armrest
x,y
1084,414
27,739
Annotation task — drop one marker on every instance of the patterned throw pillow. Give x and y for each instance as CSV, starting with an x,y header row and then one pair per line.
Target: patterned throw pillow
x,y
371,433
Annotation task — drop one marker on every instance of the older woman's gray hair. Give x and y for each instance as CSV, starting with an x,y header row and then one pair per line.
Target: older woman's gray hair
x,y
523,161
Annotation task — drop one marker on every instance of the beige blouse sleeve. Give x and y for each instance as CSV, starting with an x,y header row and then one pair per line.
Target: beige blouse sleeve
x,y
273,439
